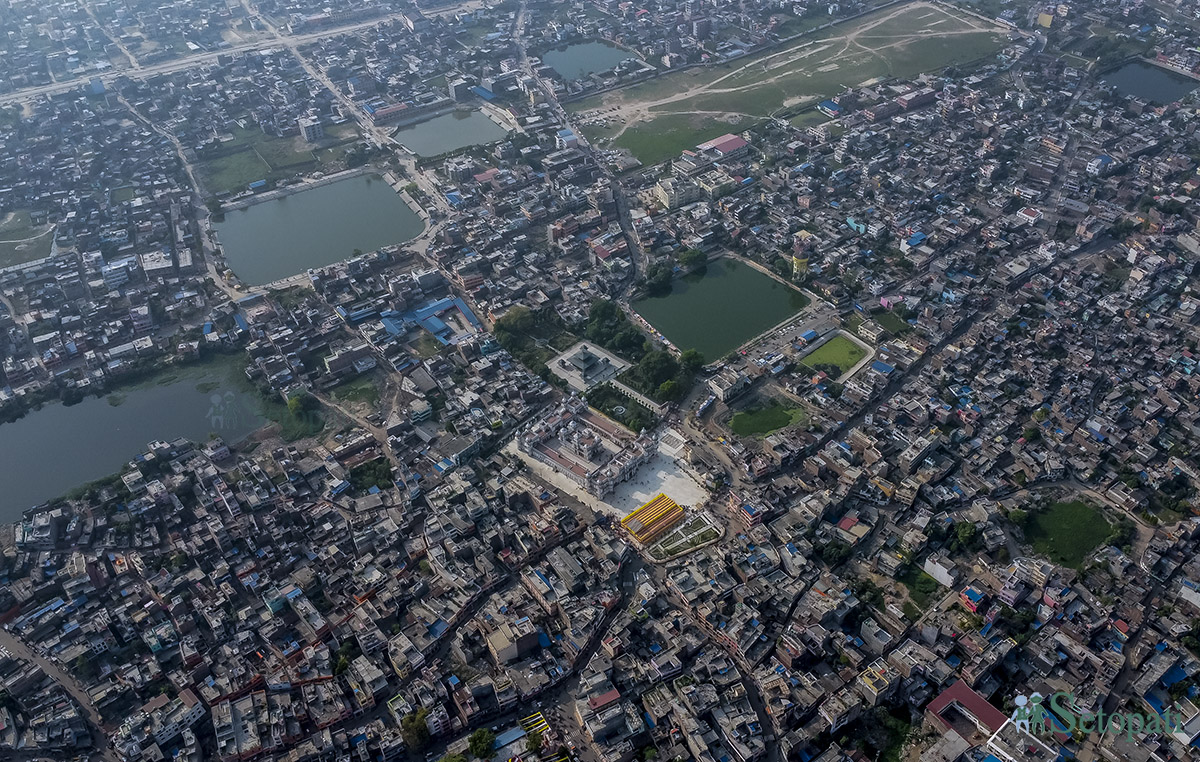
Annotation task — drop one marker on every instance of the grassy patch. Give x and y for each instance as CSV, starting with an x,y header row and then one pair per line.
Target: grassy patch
x,y
254,155
302,424
234,172
1067,532
427,346
763,420
806,119
666,136
815,66
1078,62
474,35
916,21
359,389
838,351
893,322
921,586
123,194
21,241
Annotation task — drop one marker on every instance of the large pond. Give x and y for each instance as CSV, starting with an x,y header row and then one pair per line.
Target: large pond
x,y
583,58
718,311
450,132
1149,82
276,239
53,450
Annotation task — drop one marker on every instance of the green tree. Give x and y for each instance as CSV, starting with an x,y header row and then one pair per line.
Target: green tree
x,y
670,390
481,743
453,758
691,258
964,532
414,729
691,361
834,552
533,742
298,404
658,280
518,320
657,367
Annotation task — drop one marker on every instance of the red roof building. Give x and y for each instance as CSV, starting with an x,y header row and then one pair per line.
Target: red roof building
x,y
595,703
958,702
726,146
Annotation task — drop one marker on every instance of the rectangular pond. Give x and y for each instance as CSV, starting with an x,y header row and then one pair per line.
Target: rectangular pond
x,y
1149,82
718,311
276,239
450,132
580,59
53,450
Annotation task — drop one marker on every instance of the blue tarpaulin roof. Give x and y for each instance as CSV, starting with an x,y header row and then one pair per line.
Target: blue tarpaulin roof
x,y
508,736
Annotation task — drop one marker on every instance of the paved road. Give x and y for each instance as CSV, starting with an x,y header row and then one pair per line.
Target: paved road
x,y
18,648
638,257
558,702
380,135
378,432
774,751
1128,671
27,94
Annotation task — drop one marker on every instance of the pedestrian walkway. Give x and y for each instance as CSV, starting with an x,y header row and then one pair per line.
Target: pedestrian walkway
x,y
535,723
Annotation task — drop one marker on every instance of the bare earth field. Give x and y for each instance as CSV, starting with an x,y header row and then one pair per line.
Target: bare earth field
x,y
657,119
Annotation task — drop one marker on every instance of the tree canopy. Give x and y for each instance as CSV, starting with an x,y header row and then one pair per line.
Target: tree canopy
x,y
690,258
415,730
481,743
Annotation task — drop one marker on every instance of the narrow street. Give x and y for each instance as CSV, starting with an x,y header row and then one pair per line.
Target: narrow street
x,y
378,432
557,702
381,136
201,212
659,574
638,257
125,51
99,739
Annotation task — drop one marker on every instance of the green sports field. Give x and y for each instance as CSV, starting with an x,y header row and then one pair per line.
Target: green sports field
x,y
838,351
